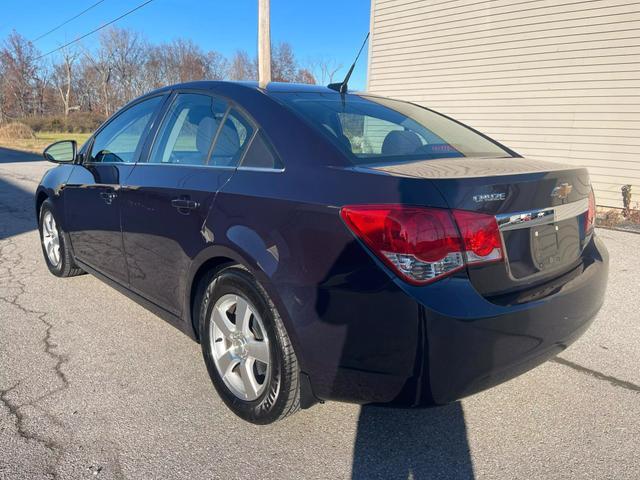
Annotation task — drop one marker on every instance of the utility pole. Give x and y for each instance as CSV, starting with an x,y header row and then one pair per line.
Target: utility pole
x,y
264,43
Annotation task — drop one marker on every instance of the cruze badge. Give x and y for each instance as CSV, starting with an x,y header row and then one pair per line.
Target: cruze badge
x,y
562,191
489,197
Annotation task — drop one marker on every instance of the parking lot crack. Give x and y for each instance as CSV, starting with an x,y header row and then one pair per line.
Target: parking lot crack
x,y
11,260
14,300
15,411
599,375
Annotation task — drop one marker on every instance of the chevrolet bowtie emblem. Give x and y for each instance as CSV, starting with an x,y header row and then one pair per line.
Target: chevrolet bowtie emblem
x,y
562,191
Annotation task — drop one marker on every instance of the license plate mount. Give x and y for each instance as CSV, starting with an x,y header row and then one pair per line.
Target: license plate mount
x,y
545,249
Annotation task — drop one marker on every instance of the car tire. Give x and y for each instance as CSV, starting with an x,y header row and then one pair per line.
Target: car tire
x,y
55,244
260,389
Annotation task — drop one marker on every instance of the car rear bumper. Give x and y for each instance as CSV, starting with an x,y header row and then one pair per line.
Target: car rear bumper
x,y
464,343
469,355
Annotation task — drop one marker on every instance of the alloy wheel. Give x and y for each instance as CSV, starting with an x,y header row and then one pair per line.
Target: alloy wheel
x,y
51,238
239,346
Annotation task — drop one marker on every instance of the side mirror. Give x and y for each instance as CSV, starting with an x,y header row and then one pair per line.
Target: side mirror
x,y
61,152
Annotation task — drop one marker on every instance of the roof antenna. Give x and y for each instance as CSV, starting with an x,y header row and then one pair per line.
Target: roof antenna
x,y
342,86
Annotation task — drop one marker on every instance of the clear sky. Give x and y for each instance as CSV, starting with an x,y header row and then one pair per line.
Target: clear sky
x,y
328,28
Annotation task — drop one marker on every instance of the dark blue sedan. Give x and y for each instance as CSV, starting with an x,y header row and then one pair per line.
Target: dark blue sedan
x,y
328,246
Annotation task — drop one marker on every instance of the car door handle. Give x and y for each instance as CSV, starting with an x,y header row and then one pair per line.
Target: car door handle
x,y
184,204
108,197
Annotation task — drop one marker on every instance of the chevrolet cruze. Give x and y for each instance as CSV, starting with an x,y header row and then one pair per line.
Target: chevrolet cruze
x,y
326,245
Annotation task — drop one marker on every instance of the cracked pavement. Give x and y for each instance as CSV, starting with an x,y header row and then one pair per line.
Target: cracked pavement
x,y
94,386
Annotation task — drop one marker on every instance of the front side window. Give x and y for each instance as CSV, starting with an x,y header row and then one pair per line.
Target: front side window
x,y
188,130
119,141
374,130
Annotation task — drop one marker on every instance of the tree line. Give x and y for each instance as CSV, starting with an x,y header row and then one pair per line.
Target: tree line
x,y
123,65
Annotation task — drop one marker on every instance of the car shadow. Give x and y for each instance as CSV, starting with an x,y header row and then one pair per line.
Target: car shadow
x,y
391,442
9,155
17,210
416,444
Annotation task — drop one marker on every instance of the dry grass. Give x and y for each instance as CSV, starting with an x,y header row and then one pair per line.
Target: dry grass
x,y
16,130
608,217
41,140
613,218
634,216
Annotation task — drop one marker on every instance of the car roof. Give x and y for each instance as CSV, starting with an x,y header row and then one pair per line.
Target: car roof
x,y
272,87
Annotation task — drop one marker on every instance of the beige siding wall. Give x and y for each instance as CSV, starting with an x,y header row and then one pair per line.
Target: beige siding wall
x,y
558,80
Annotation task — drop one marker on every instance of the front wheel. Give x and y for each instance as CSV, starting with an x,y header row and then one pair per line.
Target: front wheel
x,y
246,348
55,247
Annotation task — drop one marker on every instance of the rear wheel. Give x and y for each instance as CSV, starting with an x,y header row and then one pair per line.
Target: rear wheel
x,y
246,348
55,247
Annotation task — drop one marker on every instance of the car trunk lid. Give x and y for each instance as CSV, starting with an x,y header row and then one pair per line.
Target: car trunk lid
x,y
540,208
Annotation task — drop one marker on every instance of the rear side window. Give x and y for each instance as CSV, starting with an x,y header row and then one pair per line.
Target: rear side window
x,y
374,130
261,155
120,140
188,130
231,141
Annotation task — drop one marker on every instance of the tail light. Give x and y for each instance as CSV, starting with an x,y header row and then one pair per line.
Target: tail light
x,y
591,213
425,244
480,236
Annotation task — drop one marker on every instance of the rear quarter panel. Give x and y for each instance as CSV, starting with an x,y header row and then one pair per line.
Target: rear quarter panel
x,y
340,306
345,316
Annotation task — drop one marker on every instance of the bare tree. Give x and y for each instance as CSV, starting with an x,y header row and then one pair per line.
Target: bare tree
x,y
63,77
284,67
99,68
181,61
2,96
325,69
42,92
18,59
305,76
125,50
155,68
217,65
190,60
242,67
122,66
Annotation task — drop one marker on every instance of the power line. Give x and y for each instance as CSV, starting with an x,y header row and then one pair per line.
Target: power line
x,y
96,29
67,21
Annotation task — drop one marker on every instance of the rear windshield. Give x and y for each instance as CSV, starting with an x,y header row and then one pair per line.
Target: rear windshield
x,y
374,130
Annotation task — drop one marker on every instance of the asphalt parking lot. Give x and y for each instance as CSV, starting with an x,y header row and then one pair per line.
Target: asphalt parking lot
x,y
94,386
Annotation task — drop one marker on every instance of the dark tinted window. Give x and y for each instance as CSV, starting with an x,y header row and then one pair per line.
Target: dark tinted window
x,y
231,141
188,129
260,155
381,130
120,139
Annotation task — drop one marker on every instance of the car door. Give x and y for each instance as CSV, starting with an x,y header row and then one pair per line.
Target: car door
x,y
169,193
92,193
